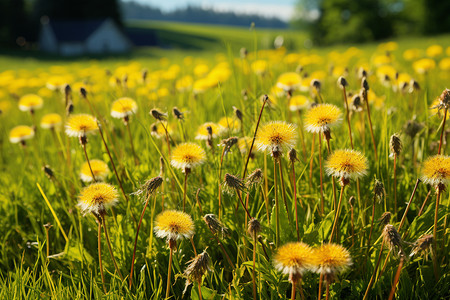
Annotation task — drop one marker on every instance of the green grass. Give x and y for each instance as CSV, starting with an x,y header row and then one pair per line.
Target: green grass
x,y
72,270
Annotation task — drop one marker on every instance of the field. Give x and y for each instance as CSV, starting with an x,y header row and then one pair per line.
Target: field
x,y
202,88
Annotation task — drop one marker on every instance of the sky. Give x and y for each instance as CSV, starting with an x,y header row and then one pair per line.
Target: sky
x,y
282,9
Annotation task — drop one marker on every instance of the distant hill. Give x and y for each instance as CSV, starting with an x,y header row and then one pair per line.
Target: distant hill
x,y
190,14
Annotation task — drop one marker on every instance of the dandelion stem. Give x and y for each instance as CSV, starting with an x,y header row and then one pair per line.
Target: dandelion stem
x,y
395,184
254,265
336,217
254,135
108,242
397,277
87,159
167,137
169,272
242,203
366,294
220,185
300,285
311,160
319,296
409,204
193,245
223,249
438,196
136,239
443,129
136,160
184,190
277,215
328,291
371,223
321,176
283,190
293,290
347,115
294,184
100,253
424,202
370,125
302,138
198,202
332,178
199,284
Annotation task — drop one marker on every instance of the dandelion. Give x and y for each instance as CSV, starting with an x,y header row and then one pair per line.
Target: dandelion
x,y
99,169
345,164
30,102
51,121
395,145
227,144
185,157
385,218
79,126
289,82
294,259
275,137
330,259
203,133
422,245
149,188
229,124
173,225
161,117
20,134
197,268
96,199
379,193
444,103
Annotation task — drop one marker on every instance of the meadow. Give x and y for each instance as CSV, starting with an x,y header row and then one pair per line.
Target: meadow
x,y
220,167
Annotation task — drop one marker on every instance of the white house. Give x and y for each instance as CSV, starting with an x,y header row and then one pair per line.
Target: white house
x,y
71,38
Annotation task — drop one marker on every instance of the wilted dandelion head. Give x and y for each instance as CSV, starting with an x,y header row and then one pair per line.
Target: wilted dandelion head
x,y
158,115
364,84
412,128
123,107
254,227
30,102
99,168
150,186
80,125
392,238
97,198
379,190
229,142
385,218
276,136
298,102
422,245
174,225
444,99
436,171
292,155
198,266
21,133
395,144
207,130
342,82
215,225
232,183
177,113
188,155
294,259
50,121
238,113
322,116
357,104
347,164
331,259
254,178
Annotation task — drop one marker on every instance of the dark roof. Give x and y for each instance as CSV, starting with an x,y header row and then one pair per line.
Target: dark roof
x,y
74,31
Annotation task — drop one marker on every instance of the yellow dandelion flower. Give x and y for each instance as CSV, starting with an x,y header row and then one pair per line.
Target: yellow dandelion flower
x,y
259,67
123,107
30,102
99,168
184,83
174,225
187,155
436,170
202,131
289,81
244,144
444,64
20,133
298,102
276,136
331,259
347,164
80,125
424,65
227,123
201,70
294,259
434,51
322,116
50,121
412,54
97,198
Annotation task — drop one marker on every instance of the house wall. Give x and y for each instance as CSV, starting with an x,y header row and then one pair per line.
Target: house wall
x,y
107,39
72,48
47,39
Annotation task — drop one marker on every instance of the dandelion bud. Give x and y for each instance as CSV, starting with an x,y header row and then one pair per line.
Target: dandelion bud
x,y
161,166
342,82
177,113
365,84
379,190
292,155
385,218
254,178
395,144
444,98
83,92
238,113
414,86
254,227
158,115
362,73
393,239
144,74
244,94
229,142
315,83
67,90
48,171
209,129
357,103
422,244
243,52
215,225
69,108
233,183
